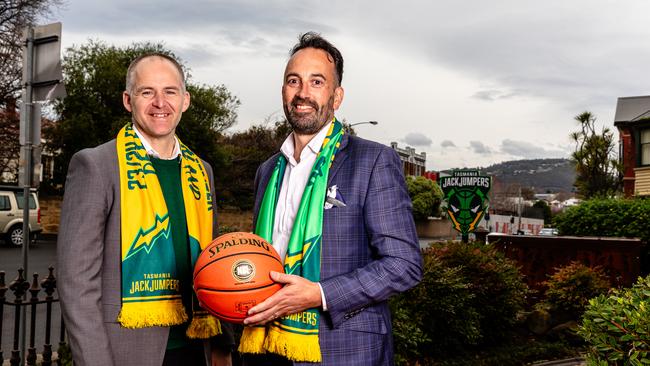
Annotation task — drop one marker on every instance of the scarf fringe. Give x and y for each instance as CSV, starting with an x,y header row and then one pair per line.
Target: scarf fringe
x,y
203,326
252,340
149,314
295,347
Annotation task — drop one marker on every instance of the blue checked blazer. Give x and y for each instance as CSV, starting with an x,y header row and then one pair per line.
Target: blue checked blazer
x,y
370,251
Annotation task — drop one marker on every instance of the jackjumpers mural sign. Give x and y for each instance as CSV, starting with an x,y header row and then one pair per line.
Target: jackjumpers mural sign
x,y
466,193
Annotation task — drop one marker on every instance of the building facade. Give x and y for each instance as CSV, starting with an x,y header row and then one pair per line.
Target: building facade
x,y
412,162
632,119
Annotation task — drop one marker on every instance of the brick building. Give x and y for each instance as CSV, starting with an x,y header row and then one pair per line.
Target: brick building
x,y
412,162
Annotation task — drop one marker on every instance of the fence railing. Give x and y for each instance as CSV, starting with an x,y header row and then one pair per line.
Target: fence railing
x,y
19,288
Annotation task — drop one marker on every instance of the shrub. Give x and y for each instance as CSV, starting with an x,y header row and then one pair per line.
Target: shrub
x,y
225,229
435,317
469,297
498,287
570,288
617,326
426,196
606,217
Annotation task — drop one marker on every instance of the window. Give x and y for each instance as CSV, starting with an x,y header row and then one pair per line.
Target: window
x,y
20,200
644,141
5,205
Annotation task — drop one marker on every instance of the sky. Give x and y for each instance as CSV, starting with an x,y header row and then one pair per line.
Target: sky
x,y
469,82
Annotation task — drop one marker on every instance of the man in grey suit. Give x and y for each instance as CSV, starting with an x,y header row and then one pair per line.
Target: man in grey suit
x,y
365,244
90,248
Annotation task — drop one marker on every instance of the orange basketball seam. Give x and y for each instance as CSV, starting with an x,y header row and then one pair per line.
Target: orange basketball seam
x,y
231,255
236,290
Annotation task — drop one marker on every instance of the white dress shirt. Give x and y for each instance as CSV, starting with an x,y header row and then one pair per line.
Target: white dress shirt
x,y
151,151
296,175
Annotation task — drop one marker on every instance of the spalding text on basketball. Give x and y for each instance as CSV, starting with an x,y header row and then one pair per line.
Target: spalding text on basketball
x,y
240,241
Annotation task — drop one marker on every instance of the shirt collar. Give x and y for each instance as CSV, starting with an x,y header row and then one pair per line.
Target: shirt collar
x,y
313,147
152,152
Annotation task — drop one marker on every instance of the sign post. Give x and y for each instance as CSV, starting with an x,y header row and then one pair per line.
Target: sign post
x,y
466,194
42,80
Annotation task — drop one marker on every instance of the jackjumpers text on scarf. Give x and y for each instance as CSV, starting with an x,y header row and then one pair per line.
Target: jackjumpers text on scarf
x,y
295,336
150,286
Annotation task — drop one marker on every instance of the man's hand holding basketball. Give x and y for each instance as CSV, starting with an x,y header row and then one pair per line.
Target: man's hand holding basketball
x,y
298,294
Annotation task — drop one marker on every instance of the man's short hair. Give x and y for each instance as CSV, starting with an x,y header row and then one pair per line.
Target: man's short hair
x,y
131,70
314,40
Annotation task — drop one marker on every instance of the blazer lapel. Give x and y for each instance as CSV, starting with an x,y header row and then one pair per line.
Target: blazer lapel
x,y
339,158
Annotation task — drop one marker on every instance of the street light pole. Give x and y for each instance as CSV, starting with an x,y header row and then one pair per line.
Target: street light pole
x,y
369,122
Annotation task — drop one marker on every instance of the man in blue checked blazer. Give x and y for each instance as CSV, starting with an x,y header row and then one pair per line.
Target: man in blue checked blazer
x,y
369,248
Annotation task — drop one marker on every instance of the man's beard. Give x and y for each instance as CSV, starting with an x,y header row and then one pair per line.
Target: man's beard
x,y
308,123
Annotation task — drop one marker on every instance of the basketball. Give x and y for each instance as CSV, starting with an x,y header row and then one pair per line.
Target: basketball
x,y
231,275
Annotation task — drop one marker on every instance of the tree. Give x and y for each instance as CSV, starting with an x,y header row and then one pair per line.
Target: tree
x,y
426,196
92,113
597,169
243,153
15,15
545,209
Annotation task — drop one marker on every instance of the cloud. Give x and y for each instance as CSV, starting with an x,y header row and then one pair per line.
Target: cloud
x,y
528,150
479,148
447,143
492,95
417,139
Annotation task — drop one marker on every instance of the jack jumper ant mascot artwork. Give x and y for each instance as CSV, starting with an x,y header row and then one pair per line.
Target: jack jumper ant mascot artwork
x,y
466,194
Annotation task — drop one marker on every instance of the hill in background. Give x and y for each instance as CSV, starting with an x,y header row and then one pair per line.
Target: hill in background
x,y
543,175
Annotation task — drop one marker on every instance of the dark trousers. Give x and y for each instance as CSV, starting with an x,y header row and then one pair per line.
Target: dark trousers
x,y
190,355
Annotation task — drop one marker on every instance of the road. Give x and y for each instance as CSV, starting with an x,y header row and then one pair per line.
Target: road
x,y
42,255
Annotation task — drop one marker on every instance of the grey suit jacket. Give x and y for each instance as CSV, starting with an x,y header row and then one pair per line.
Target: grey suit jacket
x,y
88,255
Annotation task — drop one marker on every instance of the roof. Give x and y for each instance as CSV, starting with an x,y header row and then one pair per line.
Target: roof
x,y
630,109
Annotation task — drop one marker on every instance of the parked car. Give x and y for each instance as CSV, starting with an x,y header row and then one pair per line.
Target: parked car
x,y
548,231
11,215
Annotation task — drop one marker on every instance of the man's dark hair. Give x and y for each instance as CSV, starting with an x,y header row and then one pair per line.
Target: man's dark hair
x,y
314,40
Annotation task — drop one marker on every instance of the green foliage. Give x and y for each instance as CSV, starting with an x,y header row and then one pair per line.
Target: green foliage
x,y
225,229
244,152
617,326
546,211
469,297
426,196
64,355
498,287
569,289
92,113
606,217
597,167
436,317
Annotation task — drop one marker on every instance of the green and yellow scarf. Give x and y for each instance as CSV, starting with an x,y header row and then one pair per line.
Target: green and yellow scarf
x,y
295,336
151,293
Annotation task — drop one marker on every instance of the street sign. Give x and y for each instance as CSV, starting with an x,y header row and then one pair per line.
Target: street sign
x,y
47,78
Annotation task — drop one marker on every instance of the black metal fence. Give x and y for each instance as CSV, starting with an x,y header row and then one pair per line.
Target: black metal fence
x,y
23,296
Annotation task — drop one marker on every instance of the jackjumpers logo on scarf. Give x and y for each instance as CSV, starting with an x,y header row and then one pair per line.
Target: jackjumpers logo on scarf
x,y
296,336
150,286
